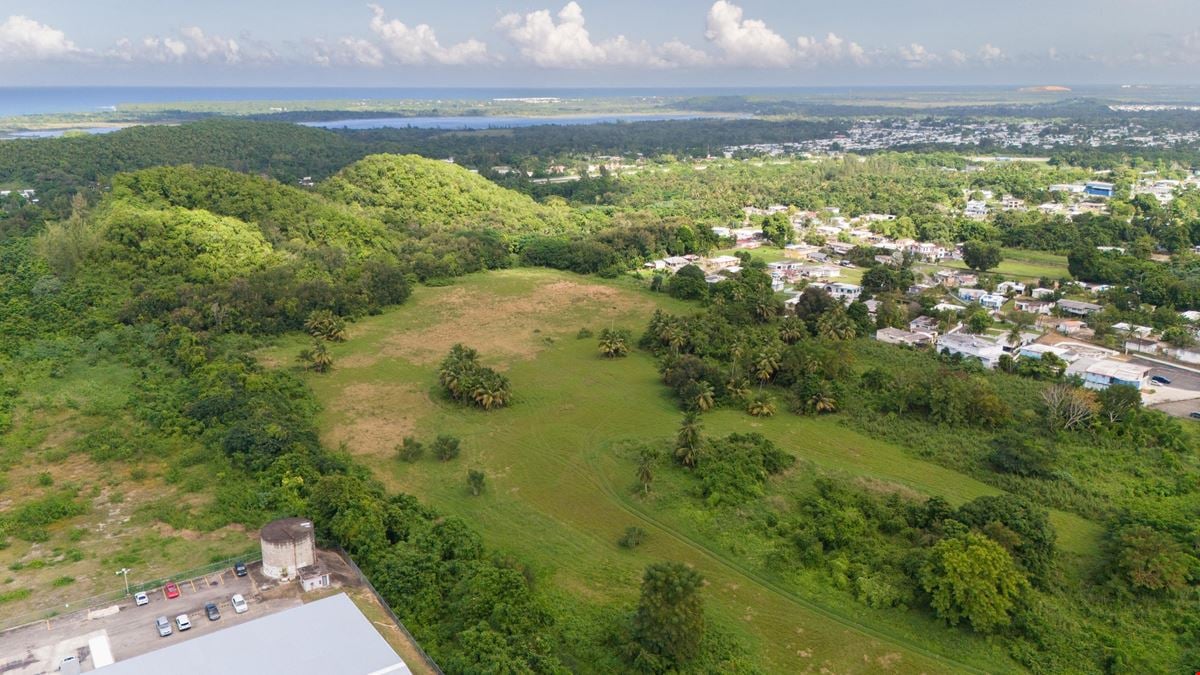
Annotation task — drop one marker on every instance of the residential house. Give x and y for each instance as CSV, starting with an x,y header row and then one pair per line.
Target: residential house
x,y
1077,307
947,307
929,325
895,336
1011,203
971,294
722,262
992,301
971,346
847,293
1006,287
1042,293
1142,332
1104,373
821,271
1037,350
840,247
1033,306
976,210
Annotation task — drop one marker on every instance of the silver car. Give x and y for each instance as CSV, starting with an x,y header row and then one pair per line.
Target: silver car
x,y
164,626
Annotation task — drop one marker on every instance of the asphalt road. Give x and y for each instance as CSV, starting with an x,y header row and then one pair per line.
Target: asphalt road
x,y
38,648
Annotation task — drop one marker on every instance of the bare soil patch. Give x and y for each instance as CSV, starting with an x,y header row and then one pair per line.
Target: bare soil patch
x,y
374,418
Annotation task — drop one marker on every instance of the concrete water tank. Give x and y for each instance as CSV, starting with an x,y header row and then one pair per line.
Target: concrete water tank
x,y
287,545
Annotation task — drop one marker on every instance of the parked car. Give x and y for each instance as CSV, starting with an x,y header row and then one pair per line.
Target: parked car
x,y
171,590
164,626
140,599
1195,415
239,603
239,568
1159,380
211,610
183,622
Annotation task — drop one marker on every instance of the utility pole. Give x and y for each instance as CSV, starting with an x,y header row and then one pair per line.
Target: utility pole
x,y
124,571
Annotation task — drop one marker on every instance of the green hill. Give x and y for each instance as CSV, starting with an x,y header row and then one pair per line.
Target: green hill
x,y
411,191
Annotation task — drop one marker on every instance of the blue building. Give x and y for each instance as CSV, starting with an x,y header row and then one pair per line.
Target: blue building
x,y
1098,189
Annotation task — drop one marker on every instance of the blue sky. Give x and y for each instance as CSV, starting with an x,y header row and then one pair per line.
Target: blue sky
x,y
594,43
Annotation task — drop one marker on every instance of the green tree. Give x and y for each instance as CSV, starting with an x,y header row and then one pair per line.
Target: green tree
x,y
475,481
410,449
318,359
972,577
688,284
647,458
614,343
981,256
687,441
761,405
777,228
669,625
323,324
1150,560
446,448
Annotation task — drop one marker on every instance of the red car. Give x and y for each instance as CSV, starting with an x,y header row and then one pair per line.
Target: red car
x,y
171,590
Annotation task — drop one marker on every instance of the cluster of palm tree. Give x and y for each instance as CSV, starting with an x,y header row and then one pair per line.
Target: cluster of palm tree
x,y
466,380
614,342
318,359
323,324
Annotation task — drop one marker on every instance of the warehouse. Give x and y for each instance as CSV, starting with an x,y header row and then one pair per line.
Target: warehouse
x,y
322,637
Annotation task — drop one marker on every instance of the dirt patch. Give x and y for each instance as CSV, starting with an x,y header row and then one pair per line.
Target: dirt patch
x,y
505,328
375,417
884,487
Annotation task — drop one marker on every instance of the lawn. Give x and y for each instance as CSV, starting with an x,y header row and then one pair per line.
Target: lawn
x,y
1024,265
560,493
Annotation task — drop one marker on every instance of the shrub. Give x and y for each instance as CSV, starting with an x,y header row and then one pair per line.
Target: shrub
x,y
468,381
410,450
632,538
475,481
446,448
62,581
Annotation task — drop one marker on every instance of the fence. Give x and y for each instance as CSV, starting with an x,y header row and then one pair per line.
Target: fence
x,y
119,594
387,608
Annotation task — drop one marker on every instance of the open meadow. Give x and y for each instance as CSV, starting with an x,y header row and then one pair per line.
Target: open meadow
x,y
561,488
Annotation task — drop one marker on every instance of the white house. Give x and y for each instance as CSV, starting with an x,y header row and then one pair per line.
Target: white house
x,y
722,262
895,336
992,301
971,346
847,293
1006,287
1033,306
971,294
1078,308
1106,372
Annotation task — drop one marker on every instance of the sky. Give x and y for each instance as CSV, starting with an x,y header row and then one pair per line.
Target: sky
x,y
614,43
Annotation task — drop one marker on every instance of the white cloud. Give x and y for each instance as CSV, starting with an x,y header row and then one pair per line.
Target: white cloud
x,y
193,45
746,42
23,39
348,51
563,41
830,50
419,44
957,57
990,54
916,56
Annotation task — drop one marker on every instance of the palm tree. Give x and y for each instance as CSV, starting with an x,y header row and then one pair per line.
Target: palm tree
x,y
687,442
822,401
836,325
761,406
702,396
645,469
738,387
792,330
613,343
318,359
765,365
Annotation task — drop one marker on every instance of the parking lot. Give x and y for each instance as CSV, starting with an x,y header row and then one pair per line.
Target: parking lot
x,y
38,648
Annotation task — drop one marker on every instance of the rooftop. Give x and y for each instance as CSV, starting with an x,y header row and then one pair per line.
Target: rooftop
x,y
286,530
325,636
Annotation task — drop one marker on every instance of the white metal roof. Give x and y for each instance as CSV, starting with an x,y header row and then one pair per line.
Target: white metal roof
x,y
321,637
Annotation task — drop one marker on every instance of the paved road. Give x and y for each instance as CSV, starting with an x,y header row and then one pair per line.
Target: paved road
x,y
39,648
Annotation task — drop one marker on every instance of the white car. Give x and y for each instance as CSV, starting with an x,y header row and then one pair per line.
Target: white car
x,y
239,603
183,622
140,599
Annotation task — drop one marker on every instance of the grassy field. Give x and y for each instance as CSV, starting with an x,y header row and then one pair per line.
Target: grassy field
x,y
74,558
1026,265
560,492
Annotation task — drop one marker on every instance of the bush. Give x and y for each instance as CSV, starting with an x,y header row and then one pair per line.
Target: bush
x,y
475,480
410,450
633,537
62,581
446,448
